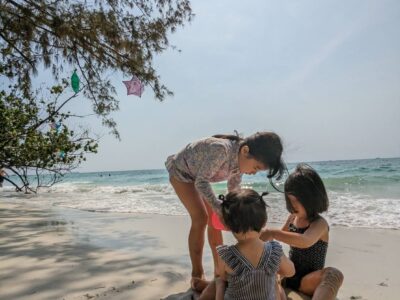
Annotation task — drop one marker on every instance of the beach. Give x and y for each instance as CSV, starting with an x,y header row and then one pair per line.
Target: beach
x,y
60,253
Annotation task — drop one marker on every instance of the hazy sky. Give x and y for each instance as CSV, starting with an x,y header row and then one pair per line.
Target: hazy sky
x,y
324,75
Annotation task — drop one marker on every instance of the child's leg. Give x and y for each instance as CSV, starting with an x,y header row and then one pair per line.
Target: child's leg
x,y
193,203
279,291
310,282
322,285
331,281
214,237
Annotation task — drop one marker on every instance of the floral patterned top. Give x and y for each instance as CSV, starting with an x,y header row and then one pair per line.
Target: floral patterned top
x,y
204,161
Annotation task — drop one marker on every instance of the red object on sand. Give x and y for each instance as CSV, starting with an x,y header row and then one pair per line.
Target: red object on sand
x,y
216,223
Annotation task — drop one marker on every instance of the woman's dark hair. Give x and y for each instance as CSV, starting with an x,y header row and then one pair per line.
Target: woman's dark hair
x,y
306,185
244,211
266,147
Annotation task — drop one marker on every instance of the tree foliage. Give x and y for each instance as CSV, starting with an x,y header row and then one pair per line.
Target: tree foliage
x,y
32,147
94,37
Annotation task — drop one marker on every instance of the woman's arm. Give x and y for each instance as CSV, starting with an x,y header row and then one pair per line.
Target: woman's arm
x,y
305,240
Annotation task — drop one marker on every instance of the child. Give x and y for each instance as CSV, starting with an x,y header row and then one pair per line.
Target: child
x,y
218,158
307,233
251,266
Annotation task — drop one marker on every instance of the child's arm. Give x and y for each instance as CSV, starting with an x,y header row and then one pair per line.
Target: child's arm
x,y
267,235
207,168
289,220
220,287
220,281
286,267
309,238
234,182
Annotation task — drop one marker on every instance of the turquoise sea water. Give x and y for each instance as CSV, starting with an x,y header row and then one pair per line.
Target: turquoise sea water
x,y
363,193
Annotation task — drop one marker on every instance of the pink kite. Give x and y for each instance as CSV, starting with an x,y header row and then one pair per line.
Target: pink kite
x,y
134,86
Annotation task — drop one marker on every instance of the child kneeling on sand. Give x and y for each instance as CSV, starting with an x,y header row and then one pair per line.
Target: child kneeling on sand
x,y
248,269
307,233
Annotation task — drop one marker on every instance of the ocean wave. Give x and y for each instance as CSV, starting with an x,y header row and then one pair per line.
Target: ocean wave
x,y
346,208
71,187
361,193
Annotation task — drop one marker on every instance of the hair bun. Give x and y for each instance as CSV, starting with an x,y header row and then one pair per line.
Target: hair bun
x,y
262,199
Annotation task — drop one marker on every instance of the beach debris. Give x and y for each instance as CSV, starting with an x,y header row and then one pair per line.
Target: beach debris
x,y
134,86
88,296
173,275
355,297
75,82
383,284
99,287
133,281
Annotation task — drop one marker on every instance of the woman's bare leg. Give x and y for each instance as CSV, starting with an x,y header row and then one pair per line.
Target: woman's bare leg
x,y
193,203
214,238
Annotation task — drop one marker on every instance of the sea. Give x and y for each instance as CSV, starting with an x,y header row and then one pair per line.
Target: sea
x,y
362,193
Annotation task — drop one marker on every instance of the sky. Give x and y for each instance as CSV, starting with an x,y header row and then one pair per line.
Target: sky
x,y
324,75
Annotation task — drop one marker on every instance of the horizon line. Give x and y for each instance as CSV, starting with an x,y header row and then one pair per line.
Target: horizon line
x,y
289,162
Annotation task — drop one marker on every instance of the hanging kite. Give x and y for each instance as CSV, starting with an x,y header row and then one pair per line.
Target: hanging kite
x,y
56,126
134,86
75,82
61,154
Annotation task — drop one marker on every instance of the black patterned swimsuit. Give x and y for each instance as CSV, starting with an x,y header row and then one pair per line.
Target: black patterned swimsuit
x,y
306,260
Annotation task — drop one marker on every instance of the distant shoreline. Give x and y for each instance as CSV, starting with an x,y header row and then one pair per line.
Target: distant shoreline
x,y
289,162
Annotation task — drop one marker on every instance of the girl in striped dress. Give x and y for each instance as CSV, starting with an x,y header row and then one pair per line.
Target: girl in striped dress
x,y
307,233
214,159
248,270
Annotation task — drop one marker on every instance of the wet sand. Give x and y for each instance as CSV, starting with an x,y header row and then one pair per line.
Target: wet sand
x,y
60,253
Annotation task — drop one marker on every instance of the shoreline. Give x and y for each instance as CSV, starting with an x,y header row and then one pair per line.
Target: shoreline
x,y
65,253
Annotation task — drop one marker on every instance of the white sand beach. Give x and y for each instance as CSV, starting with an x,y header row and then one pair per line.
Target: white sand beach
x,y
58,253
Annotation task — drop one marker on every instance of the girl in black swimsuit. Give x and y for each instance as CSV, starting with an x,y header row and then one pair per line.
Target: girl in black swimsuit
x,y
307,233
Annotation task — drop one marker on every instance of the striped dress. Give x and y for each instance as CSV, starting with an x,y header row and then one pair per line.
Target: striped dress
x,y
248,282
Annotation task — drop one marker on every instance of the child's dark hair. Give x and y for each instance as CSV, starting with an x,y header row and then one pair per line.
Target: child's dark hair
x,y
266,147
306,185
244,211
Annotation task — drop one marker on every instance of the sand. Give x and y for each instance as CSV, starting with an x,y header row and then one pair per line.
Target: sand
x,y
60,253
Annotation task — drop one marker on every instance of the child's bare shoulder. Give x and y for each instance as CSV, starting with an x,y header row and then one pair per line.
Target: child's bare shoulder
x,y
320,222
